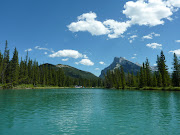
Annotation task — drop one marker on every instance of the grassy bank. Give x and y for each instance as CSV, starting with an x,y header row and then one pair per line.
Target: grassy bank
x,y
30,86
154,88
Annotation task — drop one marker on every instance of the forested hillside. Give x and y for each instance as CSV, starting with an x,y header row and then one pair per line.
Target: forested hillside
x,y
28,71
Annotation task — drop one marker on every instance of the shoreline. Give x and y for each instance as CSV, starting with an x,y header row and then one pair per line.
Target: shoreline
x,y
126,88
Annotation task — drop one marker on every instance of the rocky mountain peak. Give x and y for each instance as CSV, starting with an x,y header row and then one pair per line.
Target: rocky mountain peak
x,y
127,65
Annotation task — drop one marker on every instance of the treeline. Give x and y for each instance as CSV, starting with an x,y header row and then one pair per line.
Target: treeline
x,y
146,77
13,73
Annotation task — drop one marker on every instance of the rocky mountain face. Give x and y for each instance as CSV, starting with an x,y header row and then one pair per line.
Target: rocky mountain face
x,y
127,65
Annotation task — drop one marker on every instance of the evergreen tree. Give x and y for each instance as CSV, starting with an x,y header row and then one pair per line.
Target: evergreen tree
x,y
21,72
123,81
176,72
109,79
1,66
29,67
128,79
162,68
15,68
133,80
147,73
154,82
141,78
6,67
160,84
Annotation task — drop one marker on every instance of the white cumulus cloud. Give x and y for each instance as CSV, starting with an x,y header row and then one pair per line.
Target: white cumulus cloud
x,y
140,12
177,41
28,50
102,63
177,52
88,22
97,69
86,62
154,46
147,12
116,28
65,59
67,53
174,3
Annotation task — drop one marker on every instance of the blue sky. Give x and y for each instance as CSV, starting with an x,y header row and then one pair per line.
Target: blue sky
x,y
88,34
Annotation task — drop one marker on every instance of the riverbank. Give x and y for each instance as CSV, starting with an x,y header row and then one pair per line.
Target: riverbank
x,y
154,88
30,86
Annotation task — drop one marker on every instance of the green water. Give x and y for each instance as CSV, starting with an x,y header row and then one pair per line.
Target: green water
x,y
89,111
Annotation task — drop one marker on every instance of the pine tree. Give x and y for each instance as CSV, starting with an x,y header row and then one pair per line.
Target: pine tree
x,y
26,69
109,79
176,72
154,82
123,81
15,68
141,78
133,80
6,67
147,73
1,66
160,84
129,79
162,68
29,67
21,72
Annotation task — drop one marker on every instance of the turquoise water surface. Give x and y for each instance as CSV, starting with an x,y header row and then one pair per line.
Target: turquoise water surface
x,y
89,111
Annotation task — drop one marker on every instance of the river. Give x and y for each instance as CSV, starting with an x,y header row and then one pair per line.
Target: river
x,y
89,111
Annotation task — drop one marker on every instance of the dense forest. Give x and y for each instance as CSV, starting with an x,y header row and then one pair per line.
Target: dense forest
x,y
13,73
146,77
28,71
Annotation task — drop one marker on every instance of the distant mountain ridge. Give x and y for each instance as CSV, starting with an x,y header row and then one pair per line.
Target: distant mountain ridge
x,y
72,72
127,65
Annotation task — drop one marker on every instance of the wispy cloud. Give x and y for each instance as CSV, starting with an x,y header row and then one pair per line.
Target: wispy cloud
x,y
65,59
97,69
154,46
45,49
133,57
150,36
28,50
132,38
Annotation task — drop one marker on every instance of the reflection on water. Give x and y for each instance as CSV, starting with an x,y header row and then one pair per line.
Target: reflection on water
x,y
89,111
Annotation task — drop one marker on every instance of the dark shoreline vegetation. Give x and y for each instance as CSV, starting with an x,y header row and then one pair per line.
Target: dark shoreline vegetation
x,y
28,74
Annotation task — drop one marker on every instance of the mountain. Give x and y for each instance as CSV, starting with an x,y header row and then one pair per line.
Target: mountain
x,y
127,65
72,72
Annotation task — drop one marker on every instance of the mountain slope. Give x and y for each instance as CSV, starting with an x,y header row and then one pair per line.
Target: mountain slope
x,y
72,72
127,65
